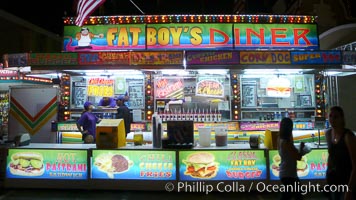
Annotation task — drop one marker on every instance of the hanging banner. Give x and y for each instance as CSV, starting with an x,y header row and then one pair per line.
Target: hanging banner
x,y
169,88
312,165
101,87
276,36
157,58
134,165
53,59
104,37
222,165
104,58
264,57
189,36
316,57
212,58
66,164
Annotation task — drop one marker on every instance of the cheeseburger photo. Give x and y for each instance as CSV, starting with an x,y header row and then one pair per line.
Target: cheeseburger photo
x,y
275,165
302,166
26,164
201,165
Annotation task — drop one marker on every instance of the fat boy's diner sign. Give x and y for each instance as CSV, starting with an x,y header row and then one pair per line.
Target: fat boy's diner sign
x,y
190,36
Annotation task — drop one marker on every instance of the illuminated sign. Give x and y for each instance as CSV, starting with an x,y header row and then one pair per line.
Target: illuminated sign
x,y
104,37
212,57
209,88
316,57
47,164
258,126
62,126
222,165
312,165
303,125
118,58
157,58
348,57
15,60
191,36
141,126
169,88
137,165
53,59
277,36
279,87
8,73
102,87
264,57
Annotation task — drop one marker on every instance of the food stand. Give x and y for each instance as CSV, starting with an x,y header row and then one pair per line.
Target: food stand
x,y
214,84
84,166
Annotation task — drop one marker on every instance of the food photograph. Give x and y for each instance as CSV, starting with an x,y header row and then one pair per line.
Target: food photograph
x,y
312,165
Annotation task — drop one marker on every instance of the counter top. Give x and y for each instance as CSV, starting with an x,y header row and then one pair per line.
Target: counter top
x,y
58,146
130,146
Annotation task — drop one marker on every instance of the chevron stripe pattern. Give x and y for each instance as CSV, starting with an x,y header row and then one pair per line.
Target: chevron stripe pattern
x,y
33,123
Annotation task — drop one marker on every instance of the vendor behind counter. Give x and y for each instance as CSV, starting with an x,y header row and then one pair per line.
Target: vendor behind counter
x,y
107,102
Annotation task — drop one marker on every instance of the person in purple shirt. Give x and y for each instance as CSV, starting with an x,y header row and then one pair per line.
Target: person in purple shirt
x,y
107,102
87,123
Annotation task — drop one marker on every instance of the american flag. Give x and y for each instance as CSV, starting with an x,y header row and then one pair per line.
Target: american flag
x,y
85,8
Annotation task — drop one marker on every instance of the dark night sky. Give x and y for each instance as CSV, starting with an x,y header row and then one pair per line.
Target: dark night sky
x,y
49,14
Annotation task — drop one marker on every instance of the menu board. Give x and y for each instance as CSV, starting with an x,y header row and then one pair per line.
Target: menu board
x,y
79,91
222,165
249,97
47,164
136,94
133,164
312,165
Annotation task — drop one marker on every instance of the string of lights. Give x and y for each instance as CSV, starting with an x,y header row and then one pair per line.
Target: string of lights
x,y
152,19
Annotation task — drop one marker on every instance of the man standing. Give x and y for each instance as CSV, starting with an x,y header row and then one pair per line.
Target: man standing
x,y
123,112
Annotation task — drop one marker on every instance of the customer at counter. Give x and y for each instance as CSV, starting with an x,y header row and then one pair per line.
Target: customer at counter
x,y
342,155
289,156
123,112
87,123
107,102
